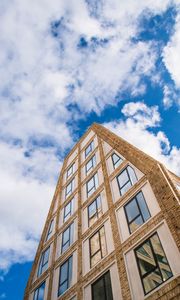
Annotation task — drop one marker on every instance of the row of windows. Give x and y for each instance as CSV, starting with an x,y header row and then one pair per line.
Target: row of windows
x,y
151,260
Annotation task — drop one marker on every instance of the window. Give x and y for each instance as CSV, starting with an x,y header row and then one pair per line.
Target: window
x,y
126,179
68,210
94,210
116,159
70,170
65,276
67,238
92,185
39,292
136,212
152,263
50,230
89,149
90,164
97,247
101,288
69,188
43,264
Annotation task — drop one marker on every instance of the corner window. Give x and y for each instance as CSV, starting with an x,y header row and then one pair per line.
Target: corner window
x,y
67,238
126,179
65,276
43,265
89,149
50,230
94,210
69,188
70,170
90,164
92,185
101,288
152,263
68,210
97,247
136,212
39,292
116,160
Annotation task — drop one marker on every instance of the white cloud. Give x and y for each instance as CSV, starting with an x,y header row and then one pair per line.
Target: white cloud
x,y
172,50
139,117
41,76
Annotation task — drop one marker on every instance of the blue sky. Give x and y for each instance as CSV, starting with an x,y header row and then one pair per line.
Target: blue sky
x,y
66,64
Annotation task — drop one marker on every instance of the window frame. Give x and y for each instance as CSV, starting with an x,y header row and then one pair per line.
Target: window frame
x,y
42,263
70,168
93,159
72,186
114,164
65,217
91,147
100,244
102,277
94,185
68,278
70,227
36,292
139,209
50,229
120,188
96,213
155,260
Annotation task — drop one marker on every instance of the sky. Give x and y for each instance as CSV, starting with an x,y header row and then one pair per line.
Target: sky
x,y
64,65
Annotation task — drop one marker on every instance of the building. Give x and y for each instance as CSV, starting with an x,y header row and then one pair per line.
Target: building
x,y
112,231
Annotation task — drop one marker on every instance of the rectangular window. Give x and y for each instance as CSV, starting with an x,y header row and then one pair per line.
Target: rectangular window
x,y
50,230
90,164
70,170
39,292
97,247
92,185
43,264
101,288
65,276
116,159
152,263
126,179
68,210
94,210
69,188
89,149
67,238
136,212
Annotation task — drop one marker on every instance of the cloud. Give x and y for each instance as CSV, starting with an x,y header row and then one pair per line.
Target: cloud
x,y
135,129
60,61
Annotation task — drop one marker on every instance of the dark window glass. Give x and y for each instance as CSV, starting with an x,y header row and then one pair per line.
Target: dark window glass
x,y
92,185
39,292
94,210
69,188
67,238
70,171
101,288
68,210
126,179
89,148
97,247
43,265
152,263
136,212
50,230
90,164
65,276
116,159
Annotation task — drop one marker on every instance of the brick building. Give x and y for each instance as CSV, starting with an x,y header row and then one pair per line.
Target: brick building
x,y
112,231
